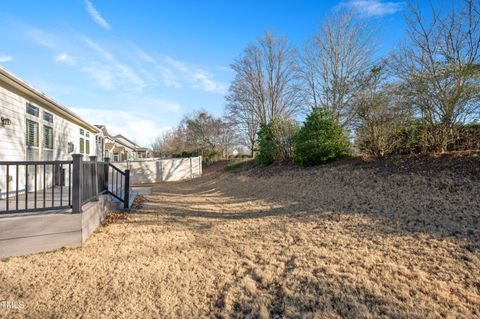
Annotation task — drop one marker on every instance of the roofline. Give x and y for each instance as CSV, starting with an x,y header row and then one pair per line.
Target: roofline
x,y
121,136
17,83
117,140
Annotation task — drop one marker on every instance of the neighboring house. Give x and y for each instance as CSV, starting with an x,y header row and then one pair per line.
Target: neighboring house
x,y
119,148
35,127
130,147
114,148
143,152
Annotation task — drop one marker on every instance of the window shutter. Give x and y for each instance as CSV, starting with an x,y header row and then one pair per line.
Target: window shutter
x,y
48,137
82,147
31,134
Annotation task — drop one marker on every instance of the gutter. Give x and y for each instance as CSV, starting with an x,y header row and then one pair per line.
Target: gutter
x,y
56,107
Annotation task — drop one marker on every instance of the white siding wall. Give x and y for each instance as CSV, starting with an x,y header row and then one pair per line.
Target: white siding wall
x,y
12,137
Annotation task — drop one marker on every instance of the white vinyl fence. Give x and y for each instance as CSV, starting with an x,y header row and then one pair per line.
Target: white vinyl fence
x,y
162,170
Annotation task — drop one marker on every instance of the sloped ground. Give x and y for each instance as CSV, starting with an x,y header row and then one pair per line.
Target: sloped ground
x,y
396,239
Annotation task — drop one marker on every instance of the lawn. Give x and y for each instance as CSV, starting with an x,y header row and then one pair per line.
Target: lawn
x,y
396,239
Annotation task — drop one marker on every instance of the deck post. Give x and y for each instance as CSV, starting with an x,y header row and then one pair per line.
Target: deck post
x,y
94,177
77,176
106,166
127,189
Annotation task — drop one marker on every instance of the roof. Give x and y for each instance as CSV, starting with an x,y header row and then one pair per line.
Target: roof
x,y
120,139
17,83
118,149
109,146
118,136
103,129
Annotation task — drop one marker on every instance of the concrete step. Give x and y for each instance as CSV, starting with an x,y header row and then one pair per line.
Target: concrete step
x,y
133,195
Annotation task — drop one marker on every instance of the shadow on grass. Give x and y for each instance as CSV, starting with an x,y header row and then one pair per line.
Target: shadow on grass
x,y
432,214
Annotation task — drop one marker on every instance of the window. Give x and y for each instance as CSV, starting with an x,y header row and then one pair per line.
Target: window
x,y
87,134
48,117
47,137
31,133
82,146
87,147
32,110
47,155
82,132
70,147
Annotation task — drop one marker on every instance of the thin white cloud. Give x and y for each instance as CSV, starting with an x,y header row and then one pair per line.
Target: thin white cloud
x,y
90,57
167,75
5,58
372,8
177,64
204,81
168,78
199,78
159,105
142,130
96,16
65,58
111,72
103,75
127,68
45,39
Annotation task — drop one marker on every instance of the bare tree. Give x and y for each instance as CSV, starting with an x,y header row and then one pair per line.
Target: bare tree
x,y
246,126
203,133
439,69
157,147
170,143
230,137
379,114
199,133
333,61
266,84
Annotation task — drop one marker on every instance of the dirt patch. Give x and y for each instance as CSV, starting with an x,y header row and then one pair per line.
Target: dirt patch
x,y
344,240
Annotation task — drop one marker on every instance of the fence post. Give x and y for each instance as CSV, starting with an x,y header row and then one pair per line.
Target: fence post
x,y
106,167
94,176
191,168
77,176
127,189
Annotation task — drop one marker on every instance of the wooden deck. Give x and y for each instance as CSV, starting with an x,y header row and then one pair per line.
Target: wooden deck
x,y
54,198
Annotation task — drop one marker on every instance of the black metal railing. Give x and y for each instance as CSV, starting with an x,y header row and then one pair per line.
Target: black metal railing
x,y
35,185
89,181
102,172
30,186
119,184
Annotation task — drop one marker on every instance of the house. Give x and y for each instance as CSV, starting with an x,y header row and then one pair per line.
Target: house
x,y
115,148
52,194
143,152
35,127
129,148
119,148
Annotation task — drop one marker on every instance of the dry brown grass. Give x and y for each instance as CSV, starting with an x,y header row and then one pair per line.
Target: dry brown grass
x,y
337,241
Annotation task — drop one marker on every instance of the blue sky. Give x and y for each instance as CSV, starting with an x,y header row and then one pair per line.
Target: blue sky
x,y
139,66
